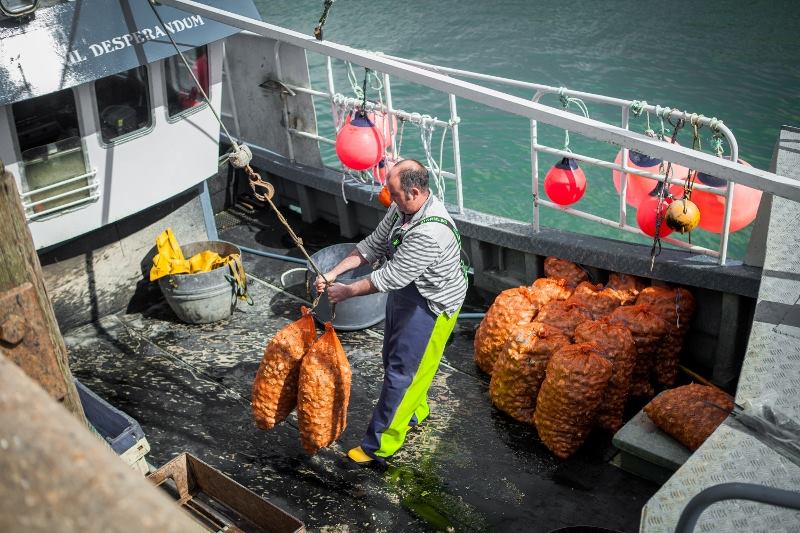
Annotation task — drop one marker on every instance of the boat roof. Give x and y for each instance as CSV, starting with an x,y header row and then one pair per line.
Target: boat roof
x,y
70,43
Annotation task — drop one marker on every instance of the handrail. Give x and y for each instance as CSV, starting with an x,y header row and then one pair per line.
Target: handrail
x,y
749,176
439,78
733,491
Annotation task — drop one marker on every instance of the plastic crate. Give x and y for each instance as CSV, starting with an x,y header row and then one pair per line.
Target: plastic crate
x,y
120,431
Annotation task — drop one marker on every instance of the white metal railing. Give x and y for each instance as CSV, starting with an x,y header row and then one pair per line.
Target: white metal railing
x,y
442,79
92,185
336,99
625,105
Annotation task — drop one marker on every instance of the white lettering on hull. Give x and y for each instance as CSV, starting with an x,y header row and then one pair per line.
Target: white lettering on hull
x,y
136,37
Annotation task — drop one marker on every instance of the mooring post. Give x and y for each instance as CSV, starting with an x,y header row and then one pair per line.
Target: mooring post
x,y
29,333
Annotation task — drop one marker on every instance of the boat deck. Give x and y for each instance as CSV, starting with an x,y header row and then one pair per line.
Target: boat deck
x,y
469,467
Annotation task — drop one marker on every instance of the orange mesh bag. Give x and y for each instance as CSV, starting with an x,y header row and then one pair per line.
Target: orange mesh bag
x,y
690,413
648,331
511,308
323,392
571,273
676,306
573,387
274,392
615,343
519,371
563,315
626,286
595,299
545,290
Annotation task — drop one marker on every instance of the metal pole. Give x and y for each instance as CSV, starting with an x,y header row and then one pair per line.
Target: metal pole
x,y
286,125
456,153
766,181
331,94
623,176
229,86
387,92
726,220
535,174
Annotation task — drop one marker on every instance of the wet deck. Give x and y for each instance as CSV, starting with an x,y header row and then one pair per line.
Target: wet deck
x,y
470,467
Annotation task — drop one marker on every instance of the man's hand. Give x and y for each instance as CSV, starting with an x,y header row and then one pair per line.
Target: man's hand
x,y
339,292
319,283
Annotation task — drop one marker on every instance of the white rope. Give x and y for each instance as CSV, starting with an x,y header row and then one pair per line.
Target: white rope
x,y
426,130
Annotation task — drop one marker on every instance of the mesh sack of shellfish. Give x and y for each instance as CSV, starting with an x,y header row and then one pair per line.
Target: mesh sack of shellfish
x,y
274,391
323,393
512,307
575,382
626,286
596,299
648,330
676,305
614,342
690,413
545,290
563,315
571,273
519,371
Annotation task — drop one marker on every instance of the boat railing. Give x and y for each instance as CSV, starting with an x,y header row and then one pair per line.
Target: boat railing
x,y
445,80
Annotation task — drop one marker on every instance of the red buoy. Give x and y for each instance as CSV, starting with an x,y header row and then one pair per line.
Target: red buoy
x,y
565,182
359,144
381,122
745,203
381,170
646,216
639,187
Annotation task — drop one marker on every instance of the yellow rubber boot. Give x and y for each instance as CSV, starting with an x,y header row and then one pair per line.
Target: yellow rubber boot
x,y
358,456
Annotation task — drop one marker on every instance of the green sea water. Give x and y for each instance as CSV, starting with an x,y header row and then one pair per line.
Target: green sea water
x,y
735,60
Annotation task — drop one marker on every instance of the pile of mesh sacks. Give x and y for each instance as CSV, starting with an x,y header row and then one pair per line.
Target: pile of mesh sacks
x,y
565,354
309,373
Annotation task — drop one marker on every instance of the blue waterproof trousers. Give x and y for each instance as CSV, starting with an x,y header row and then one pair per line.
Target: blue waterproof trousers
x,y
413,343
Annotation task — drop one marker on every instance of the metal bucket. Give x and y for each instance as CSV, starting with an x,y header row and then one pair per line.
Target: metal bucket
x,y
355,313
203,297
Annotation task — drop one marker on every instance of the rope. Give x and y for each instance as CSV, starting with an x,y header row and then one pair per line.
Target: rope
x,y
426,128
565,102
323,19
663,191
637,108
196,81
255,177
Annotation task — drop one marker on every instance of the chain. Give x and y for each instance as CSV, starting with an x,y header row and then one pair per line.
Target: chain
x,y
691,176
323,19
256,181
663,191
364,93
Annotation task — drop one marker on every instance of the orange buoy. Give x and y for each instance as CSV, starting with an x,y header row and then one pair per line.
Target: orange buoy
x,y
712,206
359,144
682,215
639,187
384,197
646,216
565,182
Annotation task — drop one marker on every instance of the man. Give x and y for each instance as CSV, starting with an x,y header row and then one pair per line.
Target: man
x,y
426,287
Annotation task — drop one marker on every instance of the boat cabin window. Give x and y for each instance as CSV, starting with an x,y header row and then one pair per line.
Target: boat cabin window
x,y
182,92
123,103
54,170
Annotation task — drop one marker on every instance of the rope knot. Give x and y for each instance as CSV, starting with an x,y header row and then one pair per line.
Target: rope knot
x,y
241,156
637,107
